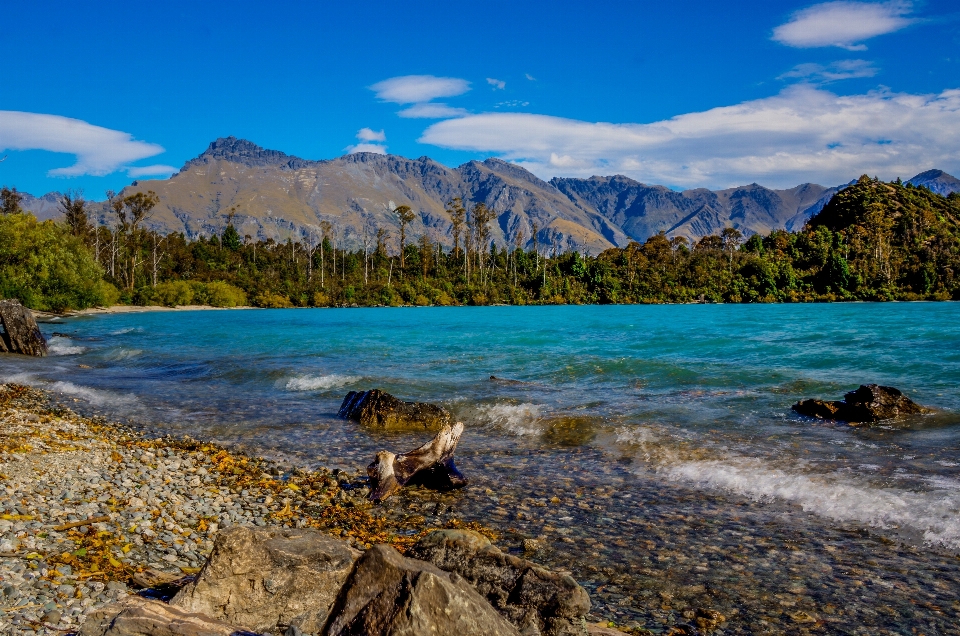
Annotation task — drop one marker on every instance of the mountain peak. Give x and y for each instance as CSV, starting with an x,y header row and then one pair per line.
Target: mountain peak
x,y
246,153
936,181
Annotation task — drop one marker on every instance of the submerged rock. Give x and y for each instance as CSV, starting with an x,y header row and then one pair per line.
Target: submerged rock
x,y
20,333
263,578
379,409
388,594
136,616
430,465
534,599
869,403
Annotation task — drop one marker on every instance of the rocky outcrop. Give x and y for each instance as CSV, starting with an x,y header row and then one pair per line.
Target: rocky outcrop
x,y
867,404
534,599
263,578
379,409
388,594
431,465
136,616
20,332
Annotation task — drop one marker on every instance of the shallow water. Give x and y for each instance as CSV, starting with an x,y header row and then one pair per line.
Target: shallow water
x,y
682,479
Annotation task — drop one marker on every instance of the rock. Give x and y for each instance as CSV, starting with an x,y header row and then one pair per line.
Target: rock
x,y
431,465
601,629
379,409
533,598
262,578
136,616
20,331
388,594
869,403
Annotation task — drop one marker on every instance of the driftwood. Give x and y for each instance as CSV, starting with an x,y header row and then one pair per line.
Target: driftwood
x,y
82,522
20,332
431,465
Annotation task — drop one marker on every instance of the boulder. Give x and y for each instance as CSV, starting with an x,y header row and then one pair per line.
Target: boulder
x,y
869,403
430,465
534,599
379,409
268,578
20,333
388,594
136,616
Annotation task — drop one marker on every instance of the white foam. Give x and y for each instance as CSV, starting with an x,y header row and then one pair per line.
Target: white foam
x,y
519,419
60,346
93,396
120,332
122,354
320,382
841,496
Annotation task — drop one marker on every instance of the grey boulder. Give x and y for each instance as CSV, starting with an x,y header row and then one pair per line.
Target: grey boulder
x,y
270,578
379,409
137,616
388,594
536,600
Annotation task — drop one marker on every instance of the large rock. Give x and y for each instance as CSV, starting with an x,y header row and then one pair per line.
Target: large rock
x,y
388,594
533,598
869,403
264,578
379,409
20,333
137,616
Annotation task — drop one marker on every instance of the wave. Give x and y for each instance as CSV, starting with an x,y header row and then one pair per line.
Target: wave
x,y
60,346
93,396
120,332
519,419
930,516
320,382
122,354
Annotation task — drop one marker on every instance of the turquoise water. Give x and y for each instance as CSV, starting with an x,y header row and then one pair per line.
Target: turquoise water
x,y
635,406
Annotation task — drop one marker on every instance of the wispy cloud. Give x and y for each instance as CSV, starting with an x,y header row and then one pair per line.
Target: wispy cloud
x,y
412,89
158,170
802,134
497,84
843,24
511,103
367,137
99,151
368,134
840,70
432,110
530,77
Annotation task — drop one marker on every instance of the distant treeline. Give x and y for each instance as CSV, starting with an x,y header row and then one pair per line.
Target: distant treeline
x,y
873,241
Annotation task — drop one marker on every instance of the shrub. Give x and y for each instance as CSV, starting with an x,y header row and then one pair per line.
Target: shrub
x,y
270,300
173,293
221,294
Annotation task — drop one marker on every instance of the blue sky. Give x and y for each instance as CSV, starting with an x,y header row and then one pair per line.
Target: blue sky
x,y
688,94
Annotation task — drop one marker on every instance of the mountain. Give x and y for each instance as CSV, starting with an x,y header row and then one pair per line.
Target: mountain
x,y
280,196
45,207
937,181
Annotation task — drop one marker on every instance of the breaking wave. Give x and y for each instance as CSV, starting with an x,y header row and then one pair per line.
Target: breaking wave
x,y
519,419
93,396
320,382
60,346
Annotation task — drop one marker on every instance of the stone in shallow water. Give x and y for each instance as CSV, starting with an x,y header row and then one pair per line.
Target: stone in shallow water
x,y
379,409
869,403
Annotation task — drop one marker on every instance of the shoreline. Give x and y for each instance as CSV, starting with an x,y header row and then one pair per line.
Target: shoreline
x,y
153,507
128,309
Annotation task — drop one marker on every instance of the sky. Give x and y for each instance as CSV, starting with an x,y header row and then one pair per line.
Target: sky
x,y
684,93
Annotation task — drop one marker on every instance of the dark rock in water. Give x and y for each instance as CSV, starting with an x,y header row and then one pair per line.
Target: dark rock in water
x,y
136,616
388,594
263,578
20,331
869,403
534,599
431,465
379,409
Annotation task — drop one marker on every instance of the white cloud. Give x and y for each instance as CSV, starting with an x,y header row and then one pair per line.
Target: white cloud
x,y
802,134
147,171
497,84
835,71
531,77
432,110
98,151
412,89
843,24
368,134
378,149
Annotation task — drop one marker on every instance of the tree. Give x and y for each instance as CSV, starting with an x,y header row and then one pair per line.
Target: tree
x,y
10,200
458,215
732,238
480,219
75,214
139,205
405,215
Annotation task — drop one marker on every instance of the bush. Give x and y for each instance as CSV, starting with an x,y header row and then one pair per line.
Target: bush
x,y
46,268
173,293
221,294
270,300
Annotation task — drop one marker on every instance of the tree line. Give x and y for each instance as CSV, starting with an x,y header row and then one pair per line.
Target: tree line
x,y
873,241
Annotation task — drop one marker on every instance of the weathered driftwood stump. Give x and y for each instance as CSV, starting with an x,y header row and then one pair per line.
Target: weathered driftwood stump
x,y
869,403
20,331
431,465
379,409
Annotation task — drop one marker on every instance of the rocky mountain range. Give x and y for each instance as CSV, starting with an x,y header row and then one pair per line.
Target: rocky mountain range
x,y
275,195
